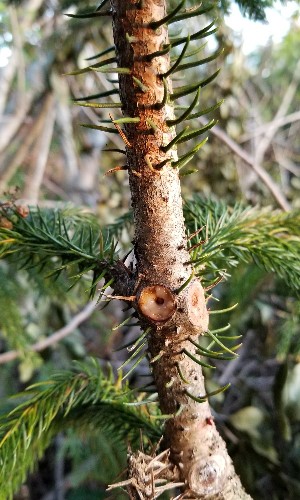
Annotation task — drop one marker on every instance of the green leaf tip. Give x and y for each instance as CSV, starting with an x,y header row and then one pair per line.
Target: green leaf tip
x,y
185,115
127,119
183,160
102,53
197,360
188,89
174,141
104,2
156,24
165,50
202,399
87,69
197,132
179,59
160,105
109,130
186,283
193,64
205,111
140,84
99,105
194,11
90,15
107,93
121,71
203,33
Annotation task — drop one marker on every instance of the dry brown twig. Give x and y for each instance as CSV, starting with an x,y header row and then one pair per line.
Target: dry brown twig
x,y
56,336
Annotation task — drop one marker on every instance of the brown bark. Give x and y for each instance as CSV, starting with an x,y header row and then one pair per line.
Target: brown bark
x,y
175,315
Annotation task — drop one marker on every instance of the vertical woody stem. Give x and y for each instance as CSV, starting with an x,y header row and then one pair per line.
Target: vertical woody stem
x,y
161,252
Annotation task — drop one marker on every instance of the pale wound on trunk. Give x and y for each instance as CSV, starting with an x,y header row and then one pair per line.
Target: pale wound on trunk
x,y
157,303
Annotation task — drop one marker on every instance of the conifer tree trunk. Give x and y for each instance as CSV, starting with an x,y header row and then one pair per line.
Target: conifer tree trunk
x,y
175,313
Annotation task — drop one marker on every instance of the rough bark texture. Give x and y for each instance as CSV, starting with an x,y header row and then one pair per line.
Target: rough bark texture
x,y
197,450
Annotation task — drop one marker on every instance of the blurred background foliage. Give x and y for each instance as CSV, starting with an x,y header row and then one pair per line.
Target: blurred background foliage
x,y
46,157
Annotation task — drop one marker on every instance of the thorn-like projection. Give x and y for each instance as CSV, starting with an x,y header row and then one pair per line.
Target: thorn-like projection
x,y
174,141
90,15
170,383
160,105
221,311
183,160
184,380
191,53
205,111
96,96
104,2
217,341
116,169
102,53
196,133
211,354
158,53
188,89
152,124
126,119
120,131
194,64
99,105
185,115
119,325
197,360
156,24
109,130
115,150
161,164
140,4
120,71
202,399
81,71
223,329
130,346
196,36
157,357
140,84
131,39
133,355
149,164
134,366
186,283
192,13
179,59
188,172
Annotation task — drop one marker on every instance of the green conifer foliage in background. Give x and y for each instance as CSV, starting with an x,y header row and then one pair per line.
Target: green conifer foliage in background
x,y
72,244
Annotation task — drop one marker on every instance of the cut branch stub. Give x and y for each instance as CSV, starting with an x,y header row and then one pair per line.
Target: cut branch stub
x,y
207,477
197,311
157,303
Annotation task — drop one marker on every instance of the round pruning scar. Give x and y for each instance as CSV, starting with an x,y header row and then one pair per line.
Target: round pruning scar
x,y
206,477
157,303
